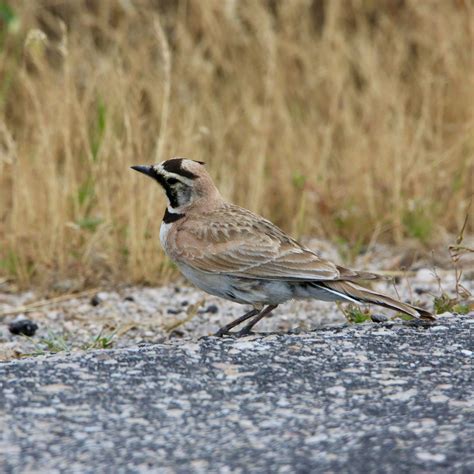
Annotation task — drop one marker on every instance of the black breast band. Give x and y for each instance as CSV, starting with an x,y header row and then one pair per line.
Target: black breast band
x,y
170,217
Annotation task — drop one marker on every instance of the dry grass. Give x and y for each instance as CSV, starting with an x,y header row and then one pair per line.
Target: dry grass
x,y
349,118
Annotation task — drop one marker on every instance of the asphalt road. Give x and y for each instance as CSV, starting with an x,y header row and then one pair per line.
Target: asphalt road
x,y
366,398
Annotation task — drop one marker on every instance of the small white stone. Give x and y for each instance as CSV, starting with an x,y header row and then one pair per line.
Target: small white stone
x,y
439,399
336,390
425,275
426,456
316,439
39,410
403,396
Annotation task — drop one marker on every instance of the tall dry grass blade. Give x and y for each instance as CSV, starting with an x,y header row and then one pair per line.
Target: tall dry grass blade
x,y
342,120
165,108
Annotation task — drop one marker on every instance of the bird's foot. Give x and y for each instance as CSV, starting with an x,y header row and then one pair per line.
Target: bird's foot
x,y
223,332
243,332
236,334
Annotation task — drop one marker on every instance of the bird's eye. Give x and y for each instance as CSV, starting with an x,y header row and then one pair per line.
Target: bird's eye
x,y
171,181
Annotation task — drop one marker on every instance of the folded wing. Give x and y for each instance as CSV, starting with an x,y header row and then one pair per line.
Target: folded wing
x,y
245,245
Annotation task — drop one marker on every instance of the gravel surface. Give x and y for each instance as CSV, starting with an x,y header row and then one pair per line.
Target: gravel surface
x,y
309,393
130,316
389,397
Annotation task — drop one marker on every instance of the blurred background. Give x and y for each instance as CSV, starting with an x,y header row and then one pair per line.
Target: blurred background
x,y
350,120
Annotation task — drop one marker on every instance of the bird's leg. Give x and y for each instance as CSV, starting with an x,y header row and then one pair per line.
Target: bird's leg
x,y
246,330
226,329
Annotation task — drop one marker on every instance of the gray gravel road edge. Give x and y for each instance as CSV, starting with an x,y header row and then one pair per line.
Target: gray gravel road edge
x,y
366,398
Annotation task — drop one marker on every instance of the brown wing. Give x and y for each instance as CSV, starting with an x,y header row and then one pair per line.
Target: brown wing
x,y
236,242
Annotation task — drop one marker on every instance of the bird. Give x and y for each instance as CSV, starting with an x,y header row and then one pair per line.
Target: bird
x,y
231,252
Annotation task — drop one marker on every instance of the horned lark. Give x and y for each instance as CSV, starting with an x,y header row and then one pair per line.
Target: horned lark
x,y
233,253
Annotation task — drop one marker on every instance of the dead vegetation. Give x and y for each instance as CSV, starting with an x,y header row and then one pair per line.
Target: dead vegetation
x,y
350,118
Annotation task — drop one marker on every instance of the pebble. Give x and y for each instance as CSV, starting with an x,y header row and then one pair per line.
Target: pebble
x,y
439,399
98,298
426,275
24,327
438,328
434,457
212,308
379,318
66,286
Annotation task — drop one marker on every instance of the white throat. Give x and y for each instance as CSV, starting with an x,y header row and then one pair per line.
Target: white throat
x,y
171,216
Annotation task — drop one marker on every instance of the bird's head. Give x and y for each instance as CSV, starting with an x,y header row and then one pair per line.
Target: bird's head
x,y
184,181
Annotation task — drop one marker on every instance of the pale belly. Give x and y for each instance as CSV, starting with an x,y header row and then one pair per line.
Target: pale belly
x,y
240,290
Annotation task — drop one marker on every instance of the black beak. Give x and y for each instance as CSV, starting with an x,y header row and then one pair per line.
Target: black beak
x,y
148,170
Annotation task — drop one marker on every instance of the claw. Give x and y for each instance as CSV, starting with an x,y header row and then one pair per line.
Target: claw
x,y
243,332
235,334
223,332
